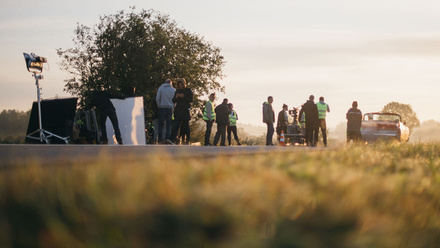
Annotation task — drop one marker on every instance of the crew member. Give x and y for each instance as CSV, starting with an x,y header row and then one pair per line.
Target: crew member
x,y
232,127
222,119
101,99
283,120
209,117
354,123
312,117
183,98
164,99
323,108
269,119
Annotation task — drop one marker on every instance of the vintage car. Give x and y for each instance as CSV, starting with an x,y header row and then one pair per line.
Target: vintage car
x,y
384,126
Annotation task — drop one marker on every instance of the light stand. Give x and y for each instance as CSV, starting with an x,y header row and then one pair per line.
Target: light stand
x,y
44,135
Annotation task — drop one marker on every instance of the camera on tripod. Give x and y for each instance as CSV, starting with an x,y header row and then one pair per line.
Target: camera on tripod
x,y
294,113
34,63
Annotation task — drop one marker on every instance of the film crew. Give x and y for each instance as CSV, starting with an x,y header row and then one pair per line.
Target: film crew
x,y
354,123
101,100
283,120
209,117
311,116
164,100
269,119
232,127
183,98
222,120
323,108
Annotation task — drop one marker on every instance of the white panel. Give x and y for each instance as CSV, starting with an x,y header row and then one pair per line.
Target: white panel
x,y
130,112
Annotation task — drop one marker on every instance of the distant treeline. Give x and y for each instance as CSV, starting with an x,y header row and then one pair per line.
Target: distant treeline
x,y
13,126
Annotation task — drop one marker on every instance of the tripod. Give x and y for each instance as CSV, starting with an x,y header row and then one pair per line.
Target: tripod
x,y
43,134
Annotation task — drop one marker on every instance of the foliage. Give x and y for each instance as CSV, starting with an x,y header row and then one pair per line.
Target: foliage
x,y
405,111
139,50
429,131
355,196
13,125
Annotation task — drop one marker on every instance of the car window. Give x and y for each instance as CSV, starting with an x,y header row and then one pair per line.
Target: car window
x,y
381,117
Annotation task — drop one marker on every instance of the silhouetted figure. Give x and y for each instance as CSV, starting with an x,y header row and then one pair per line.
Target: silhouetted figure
x,y
183,98
222,120
269,119
354,123
101,99
312,118
282,120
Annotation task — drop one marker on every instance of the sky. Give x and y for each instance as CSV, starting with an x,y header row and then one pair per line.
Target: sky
x,y
373,52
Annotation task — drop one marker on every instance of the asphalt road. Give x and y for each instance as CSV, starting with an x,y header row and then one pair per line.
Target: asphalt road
x,y
17,154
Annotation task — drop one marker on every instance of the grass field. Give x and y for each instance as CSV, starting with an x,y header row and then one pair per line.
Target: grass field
x,y
383,195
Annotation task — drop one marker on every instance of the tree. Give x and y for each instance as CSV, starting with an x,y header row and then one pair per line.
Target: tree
x,y
127,51
13,125
405,111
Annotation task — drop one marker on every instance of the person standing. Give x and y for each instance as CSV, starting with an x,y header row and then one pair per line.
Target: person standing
x,y
164,100
183,98
312,118
269,119
222,120
323,108
283,120
155,117
101,99
209,117
232,127
354,123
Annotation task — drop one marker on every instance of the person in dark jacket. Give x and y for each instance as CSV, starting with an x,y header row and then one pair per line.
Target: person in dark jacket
x,y
101,99
282,120
222,120
354,123
183,97
269,119
312,121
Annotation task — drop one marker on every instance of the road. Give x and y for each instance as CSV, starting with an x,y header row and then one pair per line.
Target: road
x,y
17,154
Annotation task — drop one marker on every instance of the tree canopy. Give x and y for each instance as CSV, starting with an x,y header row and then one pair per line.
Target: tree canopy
x,y
405,111
139,50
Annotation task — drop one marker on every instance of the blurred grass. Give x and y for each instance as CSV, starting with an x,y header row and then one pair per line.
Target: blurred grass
x,y
383,195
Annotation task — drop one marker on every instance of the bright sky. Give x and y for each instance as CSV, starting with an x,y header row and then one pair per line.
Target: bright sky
x,y
374,51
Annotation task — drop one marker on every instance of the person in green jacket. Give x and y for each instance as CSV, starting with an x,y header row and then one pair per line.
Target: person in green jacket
x,y
232,127
323,108
209,117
